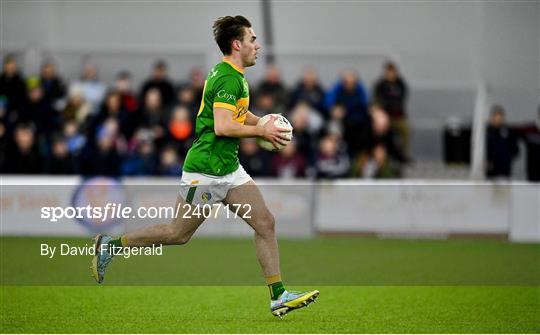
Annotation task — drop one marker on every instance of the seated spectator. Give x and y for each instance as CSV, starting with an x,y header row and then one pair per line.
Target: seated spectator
x,y
332,160
12,88
501,143
159,80
352,95
169,164
112,108
154,116
76,109
101,158
336,120
272,84
255,161
185,96
391,92
374,164
39,111
180,128
23,157
61,161
380,133
111,127
128,99
93,89
3,146
75,141
310,91
305,131
52,85
265,103
196,83
289,163
142,161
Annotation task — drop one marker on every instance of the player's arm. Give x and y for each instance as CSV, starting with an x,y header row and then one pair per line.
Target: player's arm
x,y
224,125
251,119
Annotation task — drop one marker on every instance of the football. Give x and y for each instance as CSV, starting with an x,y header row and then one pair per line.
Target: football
x,y
280,122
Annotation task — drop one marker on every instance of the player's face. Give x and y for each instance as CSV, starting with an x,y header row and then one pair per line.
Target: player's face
x,y
249,48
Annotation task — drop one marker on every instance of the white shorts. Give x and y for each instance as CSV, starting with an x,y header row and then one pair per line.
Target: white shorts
x,y
200,188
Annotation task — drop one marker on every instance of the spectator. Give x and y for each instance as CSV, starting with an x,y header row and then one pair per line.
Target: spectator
x,y
289,163
154,115
350,93
336,121
332,160
530,133
12,88
186,97
374,164
93,89
255,161
196,83
305,131
265,103
111,127
112,108
75,141
3,146
52,85
61,161
160,81
501,145
169,163
391,92
39,111
272,84
310,91
24,157
143,161
380,133
128,99
77,109
101,158
180,128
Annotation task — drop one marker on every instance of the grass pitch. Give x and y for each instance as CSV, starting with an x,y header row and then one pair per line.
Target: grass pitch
x,y
214,286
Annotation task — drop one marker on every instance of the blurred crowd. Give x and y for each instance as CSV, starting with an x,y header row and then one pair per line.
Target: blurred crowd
x,y
89,127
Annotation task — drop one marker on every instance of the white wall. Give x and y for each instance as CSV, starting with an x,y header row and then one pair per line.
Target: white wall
x,y
438,44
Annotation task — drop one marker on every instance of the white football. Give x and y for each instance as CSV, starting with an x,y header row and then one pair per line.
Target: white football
x,y
280,122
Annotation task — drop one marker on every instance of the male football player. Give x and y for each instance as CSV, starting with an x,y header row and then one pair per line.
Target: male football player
x,y
212,172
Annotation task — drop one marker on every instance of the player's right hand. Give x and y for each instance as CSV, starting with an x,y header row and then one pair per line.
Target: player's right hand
x,y
274,134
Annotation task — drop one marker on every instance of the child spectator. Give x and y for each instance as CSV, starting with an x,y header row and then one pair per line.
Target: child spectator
x,y
169,164
332,160
255,161
289,163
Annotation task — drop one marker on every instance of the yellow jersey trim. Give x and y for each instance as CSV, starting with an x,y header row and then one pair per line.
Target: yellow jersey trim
x,y
228,61
225,105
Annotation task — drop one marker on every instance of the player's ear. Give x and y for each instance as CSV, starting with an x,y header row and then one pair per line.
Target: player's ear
x,y
236,45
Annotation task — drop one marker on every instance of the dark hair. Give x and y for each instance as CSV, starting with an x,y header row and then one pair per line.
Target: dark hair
x,y
227,29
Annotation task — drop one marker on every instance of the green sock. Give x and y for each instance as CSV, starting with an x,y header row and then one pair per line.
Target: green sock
x,y
276,289
117,242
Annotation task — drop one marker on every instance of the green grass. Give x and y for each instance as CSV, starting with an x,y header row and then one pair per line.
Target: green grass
x,y
214,286
244,310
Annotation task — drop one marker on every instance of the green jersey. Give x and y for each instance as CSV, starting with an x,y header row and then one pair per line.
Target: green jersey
x,y
225,87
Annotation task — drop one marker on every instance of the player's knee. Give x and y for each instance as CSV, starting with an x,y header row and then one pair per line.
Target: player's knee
x,y
177,237
267,224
